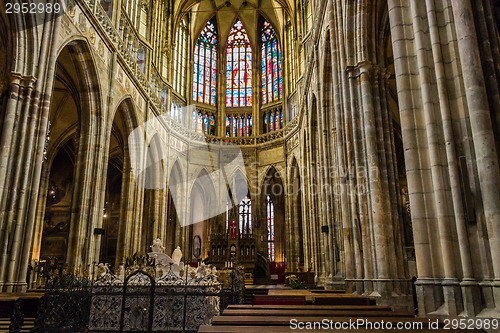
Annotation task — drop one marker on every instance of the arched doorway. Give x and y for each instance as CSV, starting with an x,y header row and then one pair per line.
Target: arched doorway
x,y
111,211
273,206
58,205
201,212
174,206
296,224
121,218
57,186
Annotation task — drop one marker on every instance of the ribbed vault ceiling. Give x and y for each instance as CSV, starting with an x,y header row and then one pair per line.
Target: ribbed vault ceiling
x,y
227,11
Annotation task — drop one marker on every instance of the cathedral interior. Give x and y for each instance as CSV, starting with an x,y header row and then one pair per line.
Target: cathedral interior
x,y
352,143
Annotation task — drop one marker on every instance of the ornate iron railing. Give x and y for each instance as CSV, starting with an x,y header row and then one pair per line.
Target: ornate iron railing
x,y
139,297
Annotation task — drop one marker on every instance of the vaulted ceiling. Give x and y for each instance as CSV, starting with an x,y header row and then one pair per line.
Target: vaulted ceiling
x,y
227,11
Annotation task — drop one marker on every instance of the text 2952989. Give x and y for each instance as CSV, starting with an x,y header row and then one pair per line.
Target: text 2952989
x,y
33,7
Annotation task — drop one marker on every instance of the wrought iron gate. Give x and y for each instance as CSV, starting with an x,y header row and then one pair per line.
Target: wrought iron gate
x,y
142,298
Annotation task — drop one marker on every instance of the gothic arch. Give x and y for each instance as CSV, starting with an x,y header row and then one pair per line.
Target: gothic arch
x,y
65,116
273,186
269,171
89,177
22,55
88,85
6,53
175,204
154,216
122,209
202,201
239,185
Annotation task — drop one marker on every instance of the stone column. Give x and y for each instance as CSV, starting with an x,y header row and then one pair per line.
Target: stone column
x,y
21,147
482,130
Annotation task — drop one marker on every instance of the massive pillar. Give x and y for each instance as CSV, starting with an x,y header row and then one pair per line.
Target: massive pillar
x,y
22,143
450,150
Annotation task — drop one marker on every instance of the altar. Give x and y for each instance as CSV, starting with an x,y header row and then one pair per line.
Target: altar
x,y
231,248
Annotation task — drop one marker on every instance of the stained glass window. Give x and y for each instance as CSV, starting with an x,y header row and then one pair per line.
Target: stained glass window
x,y
193,119
273,120
175,111
206,124
212,125
228,204
245,215
271,65
291,55
180,57
199,125
205,66
238,68
270,228
239,125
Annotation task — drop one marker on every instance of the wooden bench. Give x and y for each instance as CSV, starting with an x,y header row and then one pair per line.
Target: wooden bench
x,y
29,303
343,300
312,307
306,312
323,291
278,300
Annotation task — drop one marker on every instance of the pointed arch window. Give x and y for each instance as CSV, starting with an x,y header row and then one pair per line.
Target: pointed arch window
x,y
180,57
271,65
238,68
205,66
245,215
245,226
270,229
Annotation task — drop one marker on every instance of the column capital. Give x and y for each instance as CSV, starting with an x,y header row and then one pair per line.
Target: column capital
x,y
355,71
22,80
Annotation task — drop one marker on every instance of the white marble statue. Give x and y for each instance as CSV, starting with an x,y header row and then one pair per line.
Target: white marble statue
x,y
157,246
177,255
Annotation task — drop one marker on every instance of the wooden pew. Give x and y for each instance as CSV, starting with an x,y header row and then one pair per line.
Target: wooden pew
x,y
313,307
343,300
307,312
278,300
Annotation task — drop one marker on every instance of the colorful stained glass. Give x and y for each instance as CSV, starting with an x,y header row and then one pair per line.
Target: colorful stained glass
x,y
238,68
270,228
205,124
199,123
212,125
272,82
205,66
180,57
193,119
